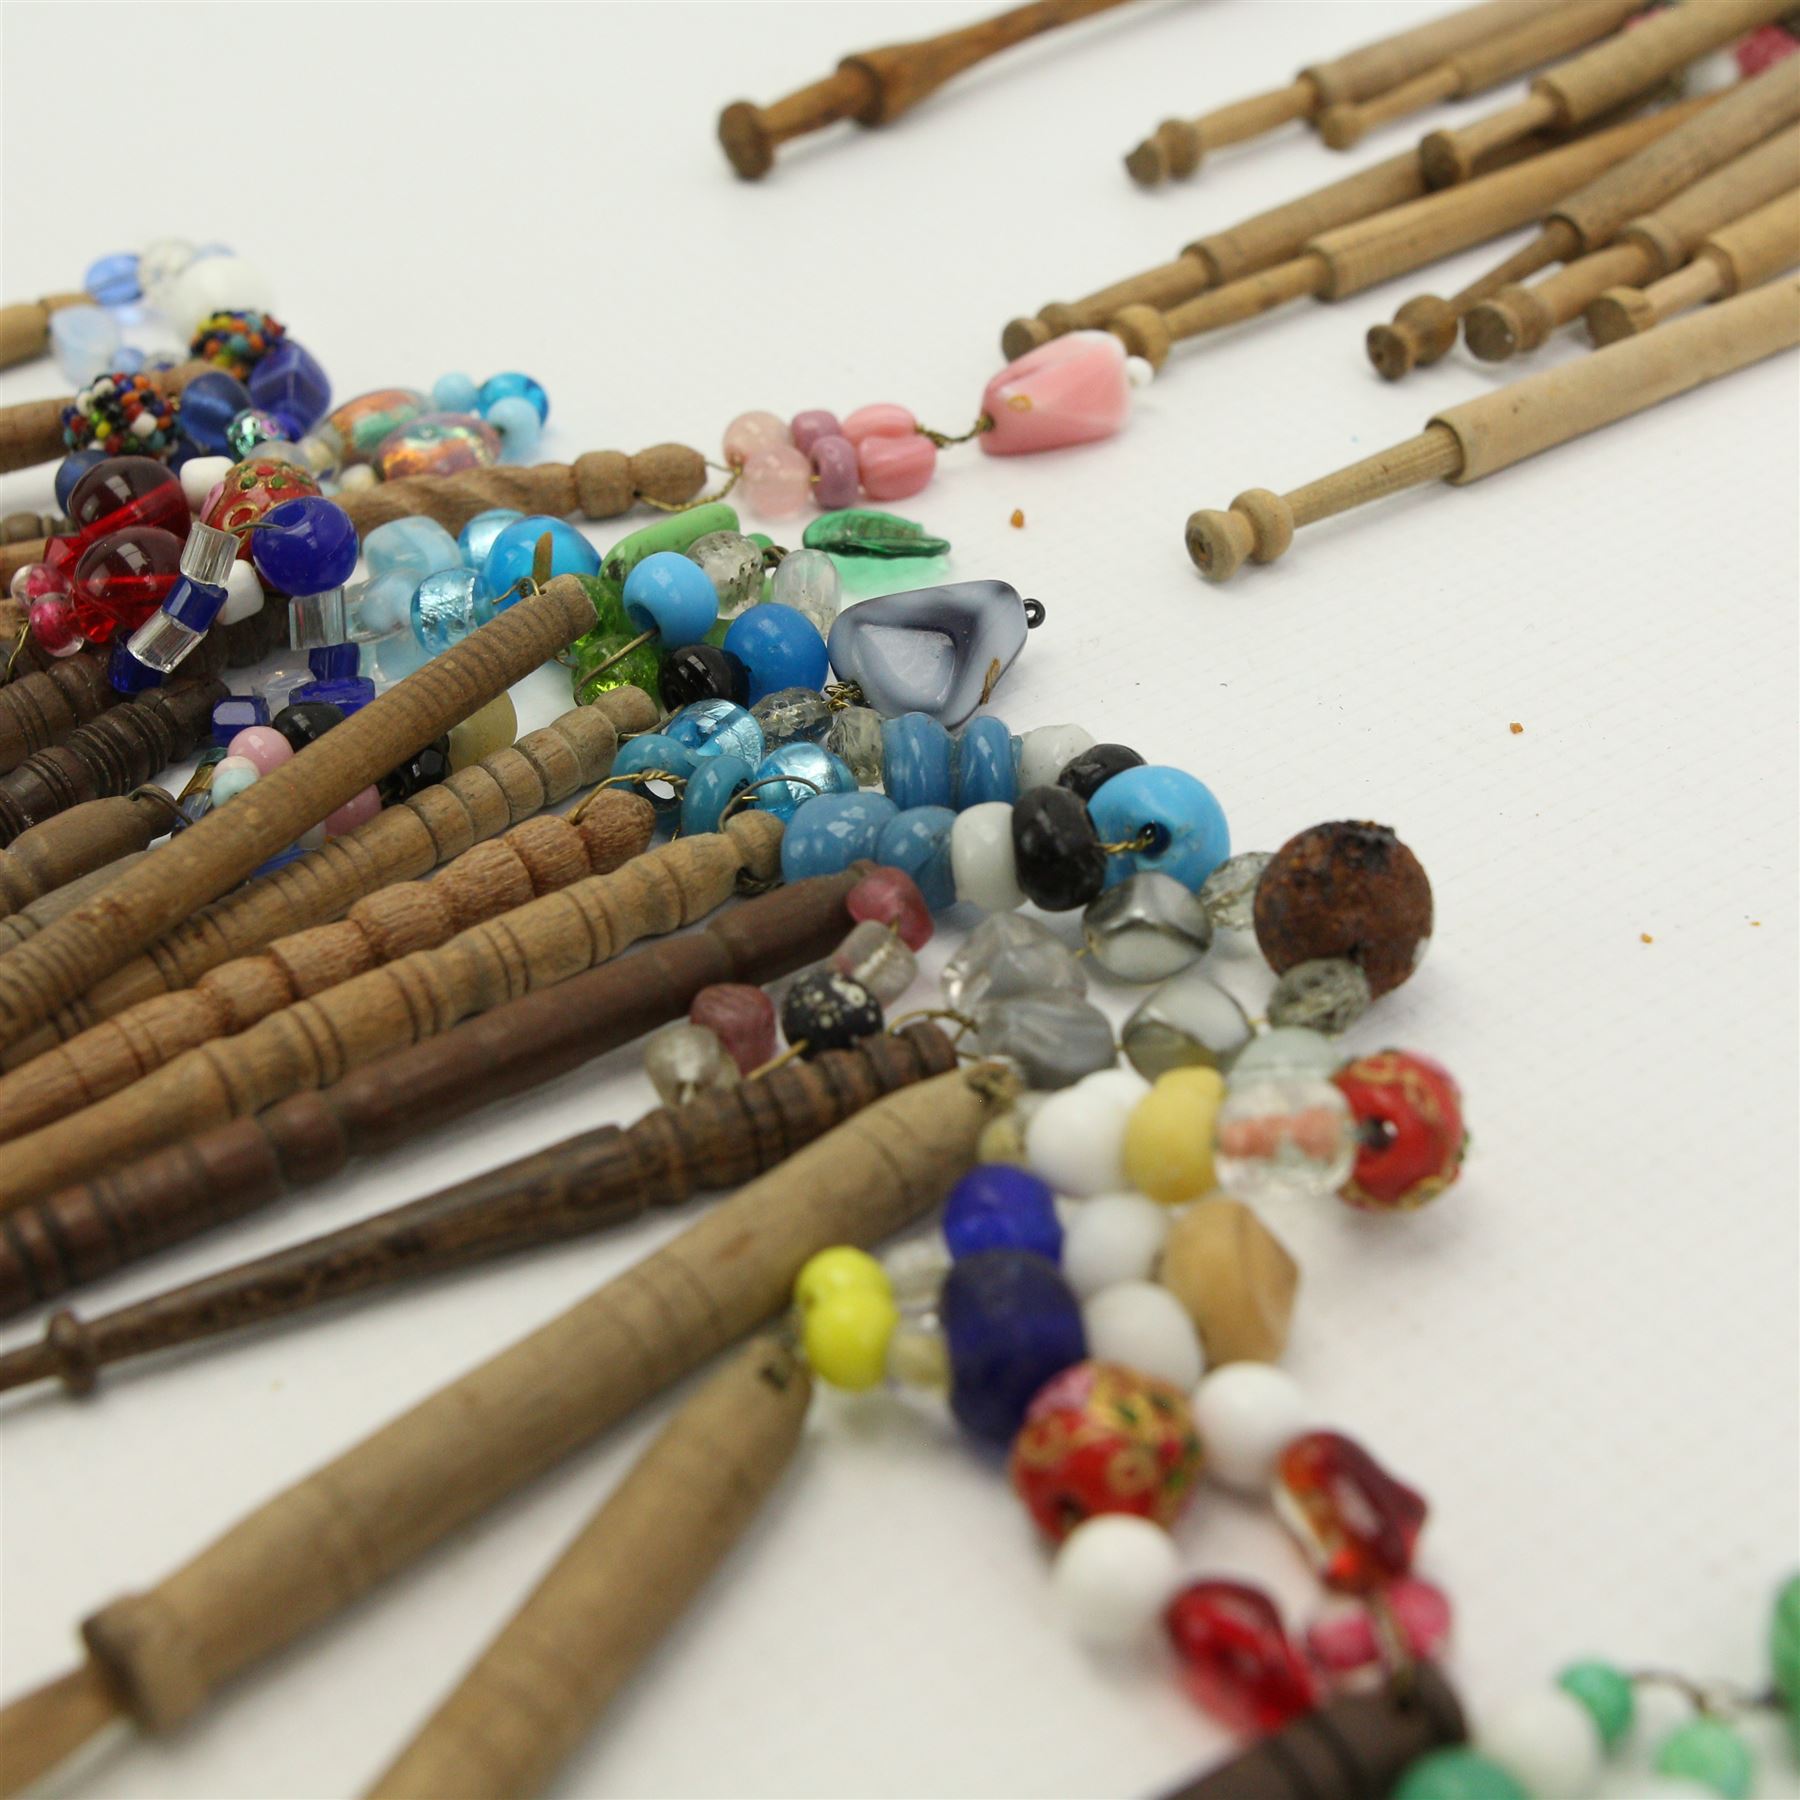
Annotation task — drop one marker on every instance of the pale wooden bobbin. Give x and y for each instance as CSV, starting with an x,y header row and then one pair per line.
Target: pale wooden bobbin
x,y
1738,256
25,326
1654,244
32,431
1482,436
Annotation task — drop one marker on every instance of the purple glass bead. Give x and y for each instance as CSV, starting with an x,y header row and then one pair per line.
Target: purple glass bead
x,y
998,1206
808,427
834,463
1010,1322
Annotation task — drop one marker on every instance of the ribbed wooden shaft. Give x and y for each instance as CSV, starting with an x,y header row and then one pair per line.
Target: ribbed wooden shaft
x,y
42,709
31,432
75,844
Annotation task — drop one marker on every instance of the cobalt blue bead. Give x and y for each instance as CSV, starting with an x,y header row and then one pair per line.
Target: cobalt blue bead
x,y
918,761
673,596
290,380
999,1206
831,831
305,546
333,662
126,675
918,842
235,713
780,647
717,728
208,405
71,469
714,784
510,383
984,764
348,693
476,539
510,559
1189,835
654,751
112,280
1010,1323
814,771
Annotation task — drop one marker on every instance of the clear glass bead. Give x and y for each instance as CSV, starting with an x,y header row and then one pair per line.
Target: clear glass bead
x,y
686,1060
1008,955
874,955
1229,892
1327,995
855,738
807,580
1283,1137
916,1269
734,566
790,713
917,1357
1286,1050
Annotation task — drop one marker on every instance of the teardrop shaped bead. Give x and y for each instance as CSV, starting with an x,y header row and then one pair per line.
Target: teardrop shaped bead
x,y
1072,390
936,650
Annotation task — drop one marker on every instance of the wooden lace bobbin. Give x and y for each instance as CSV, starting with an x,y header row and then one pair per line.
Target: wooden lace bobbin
x,y
629,1574
121,749
1481,436
589,1183
1709,131
1656,243
28,920
314,1042
399,844
25,326
77,845
1177,147
41,709
533,859
1736,257
1588,86
282,1569
1336,264
32,431
874,87
229,843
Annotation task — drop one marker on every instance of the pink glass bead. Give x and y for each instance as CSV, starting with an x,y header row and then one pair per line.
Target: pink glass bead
x,y
1342,1639
741,1017
883,419
750,432
1071,390
777,482
1763,48
53,626
359,809
262,745
893,468
1356,1523
37,581
836,475
892,897
1236,1659
809,427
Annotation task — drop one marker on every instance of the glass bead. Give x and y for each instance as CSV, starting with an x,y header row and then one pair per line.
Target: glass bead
x,y
685,1060
381,606
250,429
842,1269
1248,1413
252,490
235,713
348,693
874,957
1147,928
1408,1123
519,428
807,580
475,542
1140,1325
1457,1775
424,768
485,732
54,626
1075,1138
733,564
231,776
829,832
1543,1737
915,1268
1057,856
70,471
208,405
333,662
444,610
808,770
355,430
305,722
1111,1580
1075,389
670,594
1109,1238
85,342
863,532
1283,1138
1356,1523
674,531
896,468
1711,1753
1168,1147
981,858
112,279
717,728
715,783
593,670
742,1017
1055,1038
984,764
1046,751
997,1206
846,1338
1185,825
792,713
780,647
511,385
651,752
437,443
917,841
933,650
1007,957
289,379
127,673
261,745
776,482
882,419
824,1010
1784,1651
418,546
836,471
1342,1640
1010,1323
122,578
806,427
1229,892
1237,1660
1289,1051
514,556
892,897
702,672
116,493
1099,763
854,737
1190,1021
305,546
1607,1694
1329,995
751,432
918,1358
918,761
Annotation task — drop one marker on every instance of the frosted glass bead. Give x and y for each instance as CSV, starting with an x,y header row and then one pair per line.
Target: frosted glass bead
x,y
491,728
685,1060
1546,1740
231,777
1044,752
420,545
807,580
790,713
1282,1137
212,284
1054,1038
1247,1413
244,596
84,341
1112,1577
895,468
1007,956
1328,995
883,419
1287,1050
1076,1139
777,482
1229,892
873,955
892,897
981,858
456,392
984,764
1190,1021
1112,1238
855,738
1147,928
519,427
916,1269
476,539
751,432
837,474
199,475
379,607
1141,1326
733,564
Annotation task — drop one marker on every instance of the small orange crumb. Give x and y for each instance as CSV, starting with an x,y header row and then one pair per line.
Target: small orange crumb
x,y
1645,938
1515,728
1018,518
1756,921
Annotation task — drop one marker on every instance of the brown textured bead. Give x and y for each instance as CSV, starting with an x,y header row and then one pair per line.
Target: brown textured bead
x,y
1349,889
1234,1277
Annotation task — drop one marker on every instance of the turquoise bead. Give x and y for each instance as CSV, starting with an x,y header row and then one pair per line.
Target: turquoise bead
x,y
984,764
1457,1775
455,393
669,594
1190,837
1607,1694
444,609
510,560
512,385
717,728
817,771
780,647
714,784
918,842
654,751
418,546
518,426
829,832
1710,1752
476,539
918,761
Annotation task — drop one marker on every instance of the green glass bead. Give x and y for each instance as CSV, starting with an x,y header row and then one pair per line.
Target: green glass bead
x,y
1710,1752
857,531
1457,1775
1784,1651
1607,1694
641,667
675,532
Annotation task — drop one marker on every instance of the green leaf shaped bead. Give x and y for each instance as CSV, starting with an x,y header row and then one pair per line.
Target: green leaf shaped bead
x,y
1784,1651
675,532
1607,1694
857,531
1457,1775
1710,1752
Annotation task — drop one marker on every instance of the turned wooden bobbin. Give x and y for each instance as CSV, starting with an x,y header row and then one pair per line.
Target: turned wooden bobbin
x,y
32,431
25,326
42,708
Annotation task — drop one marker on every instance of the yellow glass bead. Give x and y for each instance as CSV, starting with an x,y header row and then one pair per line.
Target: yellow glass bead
x,y
842,1269
490,728
1169,1136
845,1336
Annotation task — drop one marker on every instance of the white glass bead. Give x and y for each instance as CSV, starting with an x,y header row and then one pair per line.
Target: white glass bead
x,y
981,857
1139,371
200,475
1112,1578
1112,1238
358,475
215,284
1076,1138
244,595
1144,1327
1246,1413
1045,752
1546,1740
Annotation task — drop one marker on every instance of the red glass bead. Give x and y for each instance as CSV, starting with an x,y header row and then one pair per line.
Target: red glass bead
x,y
1764,47
1236,1660
251,489
892,897
1101,1439
1409,1120
1344,1640
53,626
741,1017
1357,1524
120,492
122,579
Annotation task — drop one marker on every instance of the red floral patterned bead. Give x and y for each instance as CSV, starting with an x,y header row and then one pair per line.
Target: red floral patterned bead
x,y
1236,1659
1408,1113
1356,1523
254,487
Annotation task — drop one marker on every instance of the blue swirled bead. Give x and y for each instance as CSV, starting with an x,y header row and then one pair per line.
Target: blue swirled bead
x,y
831,831
653,750
1188,832
812,771
714,784
918,761
985,769
917,841
717,728
510,384
1010,1323
780,647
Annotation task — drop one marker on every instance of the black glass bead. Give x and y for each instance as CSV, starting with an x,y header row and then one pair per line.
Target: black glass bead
x,y
828,1011
306,721
425,770
1082,774
1056,850
703,672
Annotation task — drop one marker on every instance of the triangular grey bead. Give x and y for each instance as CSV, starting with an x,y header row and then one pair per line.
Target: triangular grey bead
x,y
936,650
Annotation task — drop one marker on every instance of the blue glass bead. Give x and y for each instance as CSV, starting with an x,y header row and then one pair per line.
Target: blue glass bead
x,y
1010,1323
235,713
304,546
444,609
290,378
126,675
918,759
332,662
780,647
380,606
714,784
475,542
717,728
519,427
831,831
456,393
984,764
129,360
85,342
816,771
918,842
421,546
999,1206
71,469
112,280
654,751
1191,836
510,559
509,385
668,594
208,405
348,693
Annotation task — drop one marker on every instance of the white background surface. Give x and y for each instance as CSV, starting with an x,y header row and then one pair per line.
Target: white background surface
x,y
1585,1355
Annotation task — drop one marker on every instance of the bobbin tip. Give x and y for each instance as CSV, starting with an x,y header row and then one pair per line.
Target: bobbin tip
x,y
1143,331
1022,335
1443,160
1494,332
1341,127
1620,312
1392,350
1146,165
746,141
1218,543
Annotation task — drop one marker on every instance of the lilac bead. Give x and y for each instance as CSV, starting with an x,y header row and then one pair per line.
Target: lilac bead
x,y
809,427
263,745
835,466
750,432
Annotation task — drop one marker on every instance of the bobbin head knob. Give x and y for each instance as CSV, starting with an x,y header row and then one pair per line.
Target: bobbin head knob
x,y
1259,527
1423,331
1620,312
746,140
1143,331
1022,335
1515,320
1342,127
1444,159
1174,149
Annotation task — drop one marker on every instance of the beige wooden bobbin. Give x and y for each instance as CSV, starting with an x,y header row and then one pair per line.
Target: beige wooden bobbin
x,y
1738,256
31,432
25,326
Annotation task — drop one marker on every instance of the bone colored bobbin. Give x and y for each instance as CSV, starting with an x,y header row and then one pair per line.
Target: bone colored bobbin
x,y
25,326
31,432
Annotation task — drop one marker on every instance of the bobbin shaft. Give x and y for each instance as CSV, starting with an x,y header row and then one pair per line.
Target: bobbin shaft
x,y
31,432
25,326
